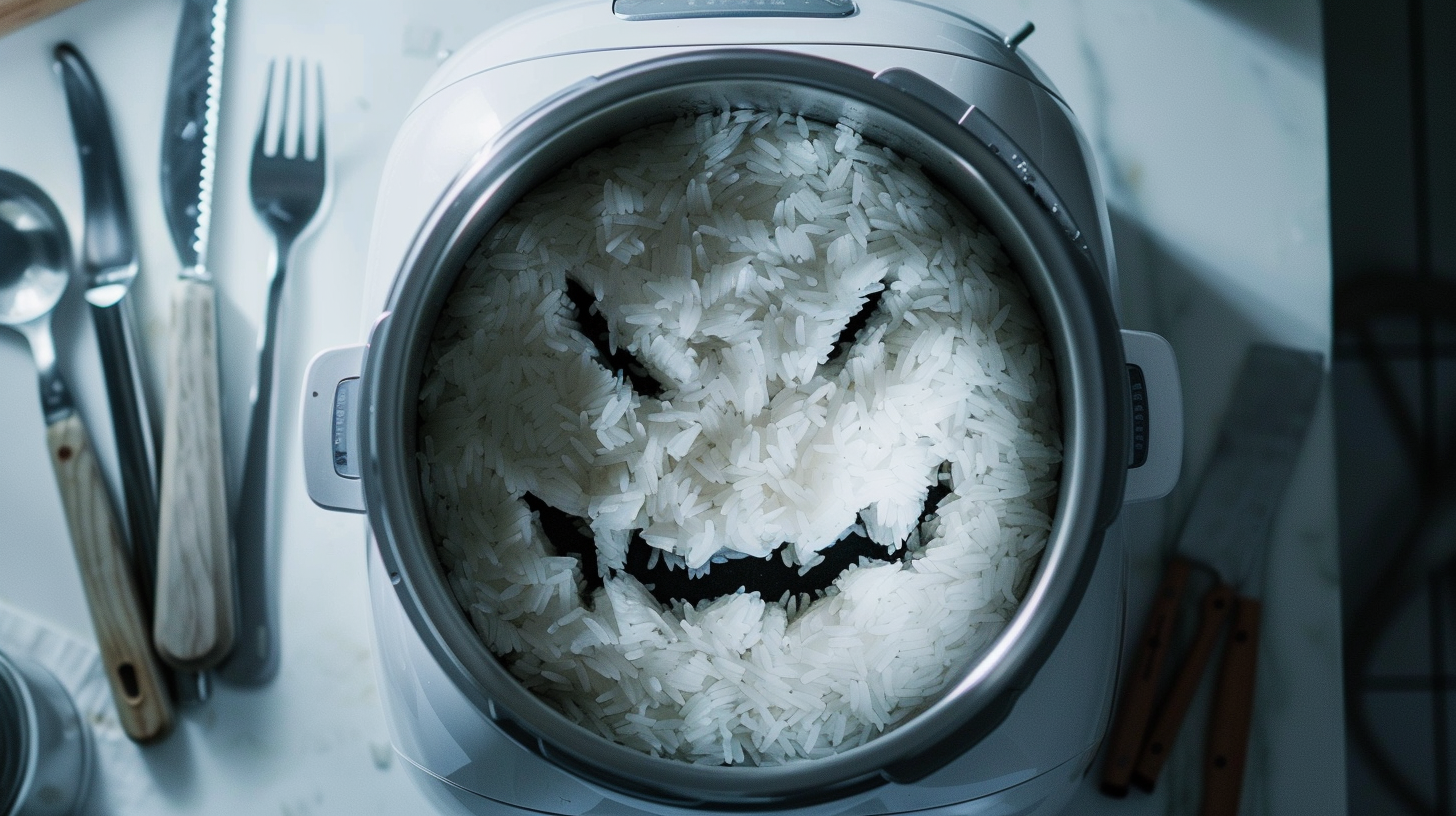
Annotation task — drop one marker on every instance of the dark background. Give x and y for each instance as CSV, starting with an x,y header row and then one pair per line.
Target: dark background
x,y
1390,73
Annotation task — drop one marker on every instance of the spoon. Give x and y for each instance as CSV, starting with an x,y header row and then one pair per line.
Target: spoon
x,y
35,266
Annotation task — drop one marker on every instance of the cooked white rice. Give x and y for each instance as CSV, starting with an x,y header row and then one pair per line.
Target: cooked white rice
x,y
727,253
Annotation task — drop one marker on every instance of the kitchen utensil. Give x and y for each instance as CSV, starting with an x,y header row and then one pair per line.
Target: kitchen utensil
x,y
193,627
34,270
511,109
287,185
17,13
1225,533
109,265
46,748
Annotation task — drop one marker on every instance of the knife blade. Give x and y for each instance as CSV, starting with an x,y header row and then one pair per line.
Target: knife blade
x,y
189,131
1260,439
108,267
193,626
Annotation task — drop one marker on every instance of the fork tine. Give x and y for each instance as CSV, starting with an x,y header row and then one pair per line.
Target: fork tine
x,y
258,143
302,109
285,113
319,102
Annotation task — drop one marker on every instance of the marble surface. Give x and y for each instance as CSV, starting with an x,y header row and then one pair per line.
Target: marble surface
x,y
1207,118
1208,122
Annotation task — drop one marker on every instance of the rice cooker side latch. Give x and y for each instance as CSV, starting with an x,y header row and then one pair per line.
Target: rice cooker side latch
x,y
1156,398
330,423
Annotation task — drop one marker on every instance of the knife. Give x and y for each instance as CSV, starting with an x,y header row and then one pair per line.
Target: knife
x,y
193,626
1224,536
109,265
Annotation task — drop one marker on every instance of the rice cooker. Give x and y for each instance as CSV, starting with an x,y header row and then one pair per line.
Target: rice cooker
x,y
1014,732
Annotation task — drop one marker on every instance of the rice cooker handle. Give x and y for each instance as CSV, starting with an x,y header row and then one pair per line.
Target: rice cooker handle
x,y
330,423
1157,416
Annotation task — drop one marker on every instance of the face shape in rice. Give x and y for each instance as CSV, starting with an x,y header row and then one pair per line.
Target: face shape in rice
x,y
745,334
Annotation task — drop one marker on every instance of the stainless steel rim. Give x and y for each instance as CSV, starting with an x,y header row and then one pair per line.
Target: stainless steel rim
x,y
1069,292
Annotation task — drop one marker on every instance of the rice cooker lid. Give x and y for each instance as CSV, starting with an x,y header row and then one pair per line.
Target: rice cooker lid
x,y
1016,204
585,26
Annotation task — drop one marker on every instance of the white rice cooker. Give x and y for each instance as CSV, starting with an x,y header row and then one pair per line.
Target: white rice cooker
x,y
1020,728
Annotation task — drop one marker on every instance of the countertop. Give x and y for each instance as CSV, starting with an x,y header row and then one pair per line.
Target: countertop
x,y
1207,118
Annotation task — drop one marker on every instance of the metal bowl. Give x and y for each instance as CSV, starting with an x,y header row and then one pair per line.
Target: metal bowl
x,y
1069,290
45,746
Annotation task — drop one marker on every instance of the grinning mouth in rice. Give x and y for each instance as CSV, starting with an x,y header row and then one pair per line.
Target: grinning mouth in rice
x,y
742,335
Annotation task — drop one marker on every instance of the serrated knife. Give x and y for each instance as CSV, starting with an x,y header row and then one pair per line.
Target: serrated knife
x,y
193,623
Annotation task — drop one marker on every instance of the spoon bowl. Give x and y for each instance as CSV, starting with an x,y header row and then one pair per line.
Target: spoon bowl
x,y
35,252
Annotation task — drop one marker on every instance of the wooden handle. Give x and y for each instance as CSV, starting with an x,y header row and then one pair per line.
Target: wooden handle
x,y
1136,706
1216,605
1233,714
17,13
111,592
193,626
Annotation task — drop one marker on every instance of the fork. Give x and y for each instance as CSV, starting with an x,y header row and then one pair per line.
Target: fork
x,y
287,188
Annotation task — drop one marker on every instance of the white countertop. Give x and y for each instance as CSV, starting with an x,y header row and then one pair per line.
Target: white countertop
x,y
1207,118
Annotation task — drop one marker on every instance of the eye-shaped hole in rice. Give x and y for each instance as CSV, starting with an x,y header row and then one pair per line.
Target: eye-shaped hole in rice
x,y
739,336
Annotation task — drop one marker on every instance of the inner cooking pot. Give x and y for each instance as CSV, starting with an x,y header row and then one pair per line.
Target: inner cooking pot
x,y
1069,291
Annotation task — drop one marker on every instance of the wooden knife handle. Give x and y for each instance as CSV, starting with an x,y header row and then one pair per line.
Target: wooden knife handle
x,y
1136,706
1232,716
193,626
18,13
111,591
1217,603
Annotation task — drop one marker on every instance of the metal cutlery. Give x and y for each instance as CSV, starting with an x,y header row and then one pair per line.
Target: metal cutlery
x,y
193,627
287,185
1225,536
35,266
109,266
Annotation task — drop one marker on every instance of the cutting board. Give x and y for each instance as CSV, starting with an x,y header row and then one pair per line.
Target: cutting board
x,y
17,13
